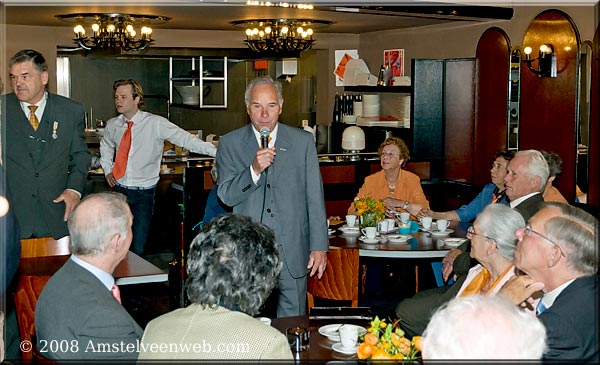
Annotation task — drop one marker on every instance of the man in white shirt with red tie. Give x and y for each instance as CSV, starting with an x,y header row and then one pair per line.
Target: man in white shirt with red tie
x,y
79,315
135,139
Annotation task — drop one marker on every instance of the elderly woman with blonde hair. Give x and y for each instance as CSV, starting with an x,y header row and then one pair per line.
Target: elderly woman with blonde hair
x,y
399,189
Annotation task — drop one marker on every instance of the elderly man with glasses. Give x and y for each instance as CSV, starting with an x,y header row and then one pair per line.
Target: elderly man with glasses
x,y
558,252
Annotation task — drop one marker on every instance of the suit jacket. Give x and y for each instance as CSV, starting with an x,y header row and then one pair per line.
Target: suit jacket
x,y
528,207
39,167
293,206
10,246
212,329
77,308
572,322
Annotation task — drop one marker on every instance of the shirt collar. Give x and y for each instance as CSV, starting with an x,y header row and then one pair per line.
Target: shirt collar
x,y
41,105
549,297
273,135
137,117
107,279
518,201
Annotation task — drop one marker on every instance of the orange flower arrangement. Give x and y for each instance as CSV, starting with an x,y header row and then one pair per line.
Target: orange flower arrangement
x,y
371,210
387,342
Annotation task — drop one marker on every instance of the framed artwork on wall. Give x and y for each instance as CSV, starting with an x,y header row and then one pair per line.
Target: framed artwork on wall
x,y
393,60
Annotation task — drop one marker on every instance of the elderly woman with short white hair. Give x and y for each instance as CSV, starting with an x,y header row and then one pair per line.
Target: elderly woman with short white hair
x,y
493,245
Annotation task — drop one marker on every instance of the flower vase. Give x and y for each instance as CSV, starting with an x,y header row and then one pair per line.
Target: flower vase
x,y
368,220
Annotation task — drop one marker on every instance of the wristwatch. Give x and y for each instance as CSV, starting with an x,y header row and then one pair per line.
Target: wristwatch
x,y
405,205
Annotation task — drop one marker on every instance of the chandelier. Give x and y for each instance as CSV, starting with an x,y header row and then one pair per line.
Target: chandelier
x,y
280,37
113,31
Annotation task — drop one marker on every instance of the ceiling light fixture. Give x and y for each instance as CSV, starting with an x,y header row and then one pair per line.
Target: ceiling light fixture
x,y
113,31
280,37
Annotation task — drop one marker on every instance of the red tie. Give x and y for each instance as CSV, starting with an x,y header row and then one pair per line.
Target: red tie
x,y
116,292
123,153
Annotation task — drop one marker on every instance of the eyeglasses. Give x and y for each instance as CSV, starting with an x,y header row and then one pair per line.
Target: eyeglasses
x,y
471,232
389,154
529,231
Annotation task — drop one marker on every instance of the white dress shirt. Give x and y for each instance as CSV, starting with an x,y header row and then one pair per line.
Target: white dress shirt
x,y
39,112
518,201
148,134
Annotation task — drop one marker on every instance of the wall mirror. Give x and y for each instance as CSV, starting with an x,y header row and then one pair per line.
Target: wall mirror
x,y
583,120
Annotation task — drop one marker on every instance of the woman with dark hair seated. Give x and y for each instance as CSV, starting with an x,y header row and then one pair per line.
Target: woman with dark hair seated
x,y
493,192
232,267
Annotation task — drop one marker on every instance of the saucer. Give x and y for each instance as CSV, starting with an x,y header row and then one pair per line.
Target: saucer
x,y
347,227
441,233
453,242
337,347
398,238
350,230
166,171
330,231
368,240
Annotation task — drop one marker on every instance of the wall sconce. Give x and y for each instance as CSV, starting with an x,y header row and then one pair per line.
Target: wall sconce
x,y
546,61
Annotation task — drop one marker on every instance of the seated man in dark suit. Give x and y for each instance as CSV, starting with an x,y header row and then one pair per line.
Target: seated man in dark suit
x,y
558,252
80,305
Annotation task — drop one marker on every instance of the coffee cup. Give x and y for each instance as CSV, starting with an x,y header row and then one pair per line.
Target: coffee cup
x,y
369,232
351,220
348,336
404,217
391,223
382,226
442,224
426,222
265,320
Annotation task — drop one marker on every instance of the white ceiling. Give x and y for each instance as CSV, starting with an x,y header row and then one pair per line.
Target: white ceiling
x,y
356,17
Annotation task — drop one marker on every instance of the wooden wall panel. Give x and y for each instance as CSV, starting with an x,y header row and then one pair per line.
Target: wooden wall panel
x,y
459,119
593,149
493,68
549,105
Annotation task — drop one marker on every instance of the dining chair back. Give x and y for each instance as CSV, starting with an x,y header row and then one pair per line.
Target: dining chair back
x,y
44,246
340,279
29,287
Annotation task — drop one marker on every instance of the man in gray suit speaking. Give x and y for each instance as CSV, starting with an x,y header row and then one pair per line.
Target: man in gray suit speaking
x,y
270,172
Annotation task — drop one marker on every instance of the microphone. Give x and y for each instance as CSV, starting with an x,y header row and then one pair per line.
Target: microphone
x,y
264,137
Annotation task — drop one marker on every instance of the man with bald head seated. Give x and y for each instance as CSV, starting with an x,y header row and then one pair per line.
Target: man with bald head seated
x,y
558,252
81,305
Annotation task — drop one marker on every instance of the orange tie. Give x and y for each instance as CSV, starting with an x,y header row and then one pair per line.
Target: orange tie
x,y
475,286
123,153
116,292
33,119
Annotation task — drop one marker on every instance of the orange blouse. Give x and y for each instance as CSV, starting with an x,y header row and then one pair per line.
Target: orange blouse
x,y
408,187
554,195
